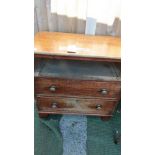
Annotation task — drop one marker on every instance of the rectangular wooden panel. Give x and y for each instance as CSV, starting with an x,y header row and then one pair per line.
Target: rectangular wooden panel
x,y
77,45
63,105
85,88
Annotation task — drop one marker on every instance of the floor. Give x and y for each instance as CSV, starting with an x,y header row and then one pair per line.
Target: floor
x,y
76,135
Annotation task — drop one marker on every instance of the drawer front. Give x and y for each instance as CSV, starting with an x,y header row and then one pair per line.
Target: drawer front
x,y
66,105
52,86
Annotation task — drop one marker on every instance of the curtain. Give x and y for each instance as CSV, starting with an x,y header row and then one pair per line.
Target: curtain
x,y
93,17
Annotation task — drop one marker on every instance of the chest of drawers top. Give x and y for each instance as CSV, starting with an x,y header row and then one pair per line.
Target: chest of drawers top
x,y
77,46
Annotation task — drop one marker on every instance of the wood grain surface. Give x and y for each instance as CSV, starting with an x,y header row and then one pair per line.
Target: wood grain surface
x,y
77,45
70,105
77,88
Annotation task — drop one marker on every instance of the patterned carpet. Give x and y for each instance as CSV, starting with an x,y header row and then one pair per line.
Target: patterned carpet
x,y
76,135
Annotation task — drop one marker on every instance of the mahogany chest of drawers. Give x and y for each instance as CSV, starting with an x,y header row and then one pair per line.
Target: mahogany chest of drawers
x,y
76,74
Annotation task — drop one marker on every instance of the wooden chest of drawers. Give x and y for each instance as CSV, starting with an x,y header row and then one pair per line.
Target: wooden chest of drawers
x,y
77,74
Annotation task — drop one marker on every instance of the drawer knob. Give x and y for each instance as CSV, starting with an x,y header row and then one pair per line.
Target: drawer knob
x,y
104,92
54,105
53,88
98,107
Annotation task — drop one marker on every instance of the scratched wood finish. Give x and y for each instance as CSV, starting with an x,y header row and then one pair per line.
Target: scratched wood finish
x,y
70,105
77,45
77,87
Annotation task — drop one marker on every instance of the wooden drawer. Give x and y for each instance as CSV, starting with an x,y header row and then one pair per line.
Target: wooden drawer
x,y
70,105
63,87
